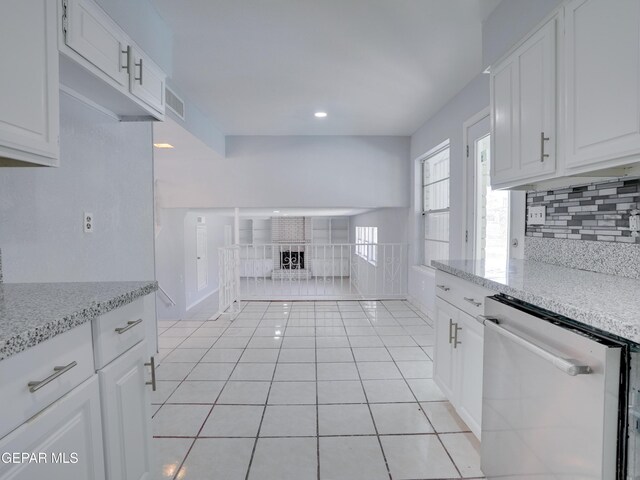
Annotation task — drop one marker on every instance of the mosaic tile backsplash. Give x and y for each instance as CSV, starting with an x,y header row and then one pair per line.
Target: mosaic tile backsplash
x,y
598,211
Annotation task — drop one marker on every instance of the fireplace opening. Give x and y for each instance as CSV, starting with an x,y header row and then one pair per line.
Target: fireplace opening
x,y
292,260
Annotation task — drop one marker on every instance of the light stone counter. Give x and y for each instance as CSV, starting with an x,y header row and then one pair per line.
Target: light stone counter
x,y
31,313
607,302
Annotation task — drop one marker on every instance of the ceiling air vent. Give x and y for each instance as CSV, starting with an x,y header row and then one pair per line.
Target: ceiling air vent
x,y
174,102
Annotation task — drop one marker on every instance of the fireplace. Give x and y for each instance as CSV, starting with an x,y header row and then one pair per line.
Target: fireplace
x,y
292,260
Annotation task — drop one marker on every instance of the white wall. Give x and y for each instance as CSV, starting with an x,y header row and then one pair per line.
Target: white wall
x,y
509,23
170,266
392,228
506,25
105,168
446,124
176,260
291,171
391,223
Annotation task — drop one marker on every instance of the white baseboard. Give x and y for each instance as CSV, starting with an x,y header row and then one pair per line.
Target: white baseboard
x,y
415,302
198,302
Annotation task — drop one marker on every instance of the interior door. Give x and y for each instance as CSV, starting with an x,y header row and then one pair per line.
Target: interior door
x,y
494,225
201,257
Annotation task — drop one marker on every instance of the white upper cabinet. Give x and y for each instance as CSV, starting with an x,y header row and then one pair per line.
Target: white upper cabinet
x,y
102,64
147,80
29,98
524,99
602,83
93,35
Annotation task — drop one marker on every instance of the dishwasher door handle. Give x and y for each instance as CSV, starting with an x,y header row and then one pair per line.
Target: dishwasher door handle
x,y
567,366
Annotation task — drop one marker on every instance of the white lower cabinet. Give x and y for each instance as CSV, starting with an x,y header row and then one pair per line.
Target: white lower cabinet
x,y
469,371
443,368
126,416
458,362
68,436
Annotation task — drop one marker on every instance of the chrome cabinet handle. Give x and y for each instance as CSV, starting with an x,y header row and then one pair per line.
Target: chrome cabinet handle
x,y
450,330
127,52
443,287
473,301
542,140
139,64
567,366
57,371
456,342
130,325
152,364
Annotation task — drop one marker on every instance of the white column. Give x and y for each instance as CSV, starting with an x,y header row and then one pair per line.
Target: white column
x,y
236,227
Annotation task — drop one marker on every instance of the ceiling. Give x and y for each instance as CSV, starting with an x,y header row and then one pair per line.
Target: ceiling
x,y
377,67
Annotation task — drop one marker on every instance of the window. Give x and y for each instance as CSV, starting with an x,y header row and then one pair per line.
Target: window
x,y
435,204
366,244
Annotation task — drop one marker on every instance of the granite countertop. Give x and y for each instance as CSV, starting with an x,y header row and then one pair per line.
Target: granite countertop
x,y
31,313
607,302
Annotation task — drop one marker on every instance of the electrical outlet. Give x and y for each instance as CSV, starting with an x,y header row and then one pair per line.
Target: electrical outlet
x,y
634,223
537,215
87,222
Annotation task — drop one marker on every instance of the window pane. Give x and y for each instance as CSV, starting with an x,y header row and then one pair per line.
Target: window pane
x,y
436,196
436,167
435,251
436,226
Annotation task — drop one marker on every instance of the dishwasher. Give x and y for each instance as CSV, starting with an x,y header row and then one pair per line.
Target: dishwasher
x,y
555,397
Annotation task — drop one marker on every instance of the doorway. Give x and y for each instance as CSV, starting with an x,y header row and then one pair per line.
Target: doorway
x,y
201,257
494,228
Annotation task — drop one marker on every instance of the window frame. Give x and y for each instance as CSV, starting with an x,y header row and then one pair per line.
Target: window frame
x,y
367,244
444,146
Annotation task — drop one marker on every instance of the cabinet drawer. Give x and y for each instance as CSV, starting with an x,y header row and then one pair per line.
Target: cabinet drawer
x,y
69,426
464,295
117,331
37,363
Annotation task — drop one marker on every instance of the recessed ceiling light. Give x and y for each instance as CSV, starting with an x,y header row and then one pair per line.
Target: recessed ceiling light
x,y
320,114
276,211
285,214
163,145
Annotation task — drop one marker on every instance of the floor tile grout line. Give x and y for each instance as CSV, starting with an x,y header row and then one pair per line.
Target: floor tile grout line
x,y
425,414
373,420
327,324
315,342
212,406
266,401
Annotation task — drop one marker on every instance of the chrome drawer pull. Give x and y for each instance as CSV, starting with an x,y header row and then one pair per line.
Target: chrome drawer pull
x,y
130,324
443,287
57,371
473,301
152,364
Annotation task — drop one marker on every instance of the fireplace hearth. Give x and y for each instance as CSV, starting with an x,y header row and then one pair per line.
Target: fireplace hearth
x,y
292,260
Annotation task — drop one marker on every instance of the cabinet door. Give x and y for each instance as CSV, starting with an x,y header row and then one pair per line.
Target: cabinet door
x,y
29,85
469,372
91,33
126,416
602,81
147,81
69,426
523,98
443,368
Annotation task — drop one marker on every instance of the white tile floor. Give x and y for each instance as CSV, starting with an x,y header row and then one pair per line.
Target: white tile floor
x,y
305,390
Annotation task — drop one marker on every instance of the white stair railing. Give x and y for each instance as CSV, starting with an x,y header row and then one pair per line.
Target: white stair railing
x,y
310,271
